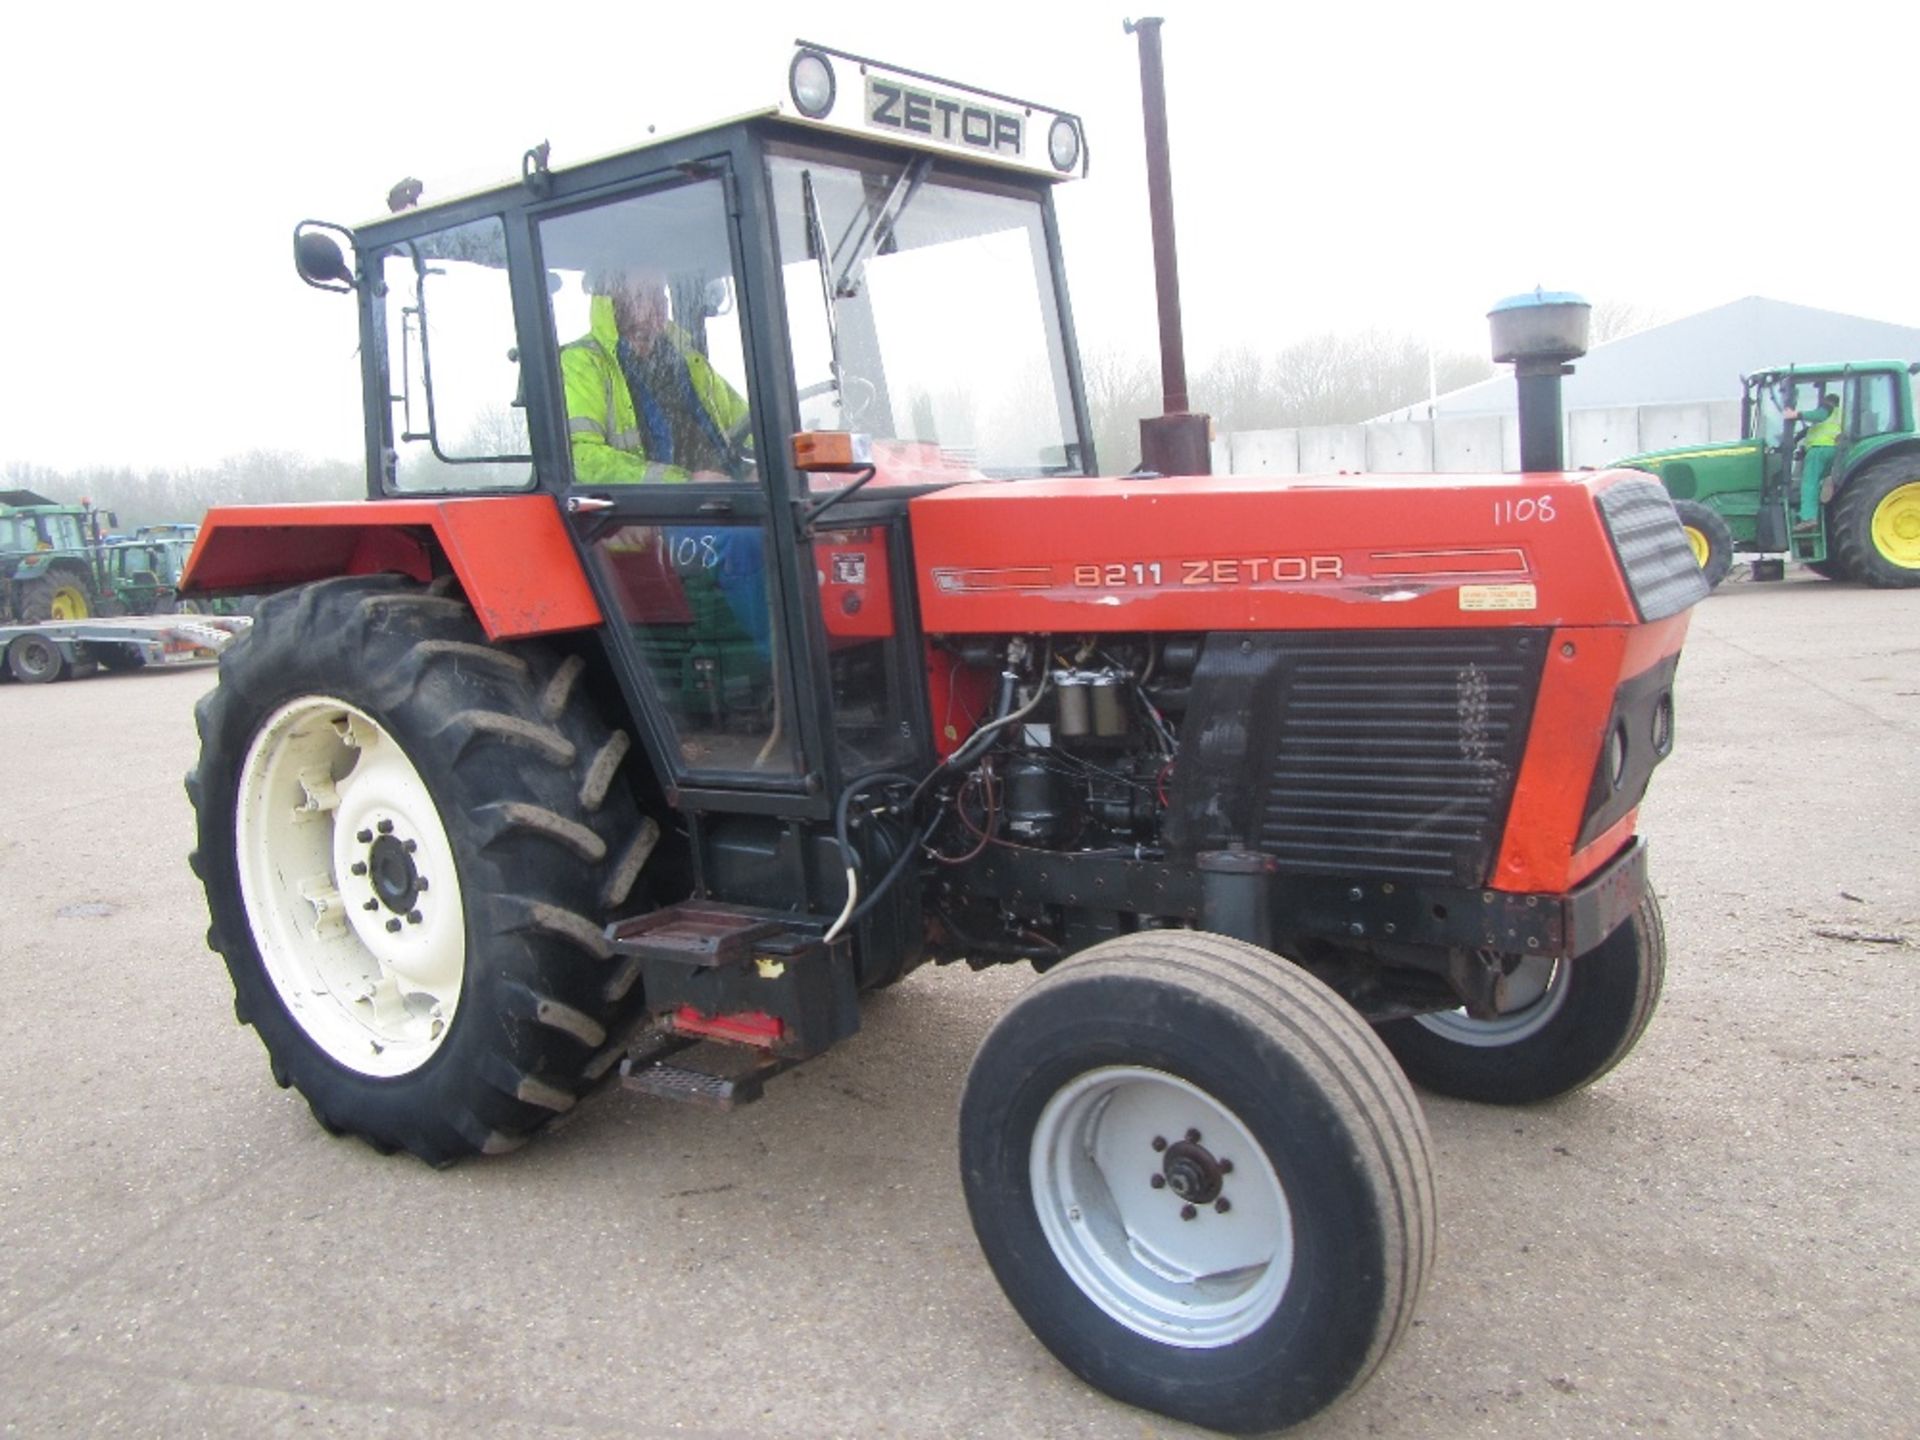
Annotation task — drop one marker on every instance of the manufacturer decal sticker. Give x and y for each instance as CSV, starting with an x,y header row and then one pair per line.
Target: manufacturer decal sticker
x,y
1498,597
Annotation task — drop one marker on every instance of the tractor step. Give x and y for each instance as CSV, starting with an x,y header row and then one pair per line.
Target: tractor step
x,y
661,1080
762,981
697,932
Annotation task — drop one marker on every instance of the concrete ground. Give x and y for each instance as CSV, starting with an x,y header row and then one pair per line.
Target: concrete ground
x,y
1718,1239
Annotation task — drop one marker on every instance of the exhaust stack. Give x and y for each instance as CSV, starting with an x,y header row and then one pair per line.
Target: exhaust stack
x,y
1175,442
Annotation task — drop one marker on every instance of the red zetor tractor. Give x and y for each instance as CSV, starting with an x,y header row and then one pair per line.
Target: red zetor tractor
x,y
651,710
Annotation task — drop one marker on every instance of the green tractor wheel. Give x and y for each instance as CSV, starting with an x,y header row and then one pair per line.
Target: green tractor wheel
x,y
1875,525
1708,537
60,594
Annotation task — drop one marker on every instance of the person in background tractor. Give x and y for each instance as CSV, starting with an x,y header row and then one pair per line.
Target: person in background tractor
x,y
1823,435
643,404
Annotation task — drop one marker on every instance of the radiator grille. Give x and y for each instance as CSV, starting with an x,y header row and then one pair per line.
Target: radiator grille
x,y
1393,757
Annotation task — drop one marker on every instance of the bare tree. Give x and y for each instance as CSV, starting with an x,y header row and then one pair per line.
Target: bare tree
x,y
162,496
1123,388
1611,319
1333,378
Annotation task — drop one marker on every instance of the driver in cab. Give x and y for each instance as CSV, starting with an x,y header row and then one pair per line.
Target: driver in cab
x,y
643,404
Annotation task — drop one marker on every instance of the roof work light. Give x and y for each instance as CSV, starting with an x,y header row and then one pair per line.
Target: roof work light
x,y
810,82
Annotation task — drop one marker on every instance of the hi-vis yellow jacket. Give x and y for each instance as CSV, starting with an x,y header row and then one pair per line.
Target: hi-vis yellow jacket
x,y
606,440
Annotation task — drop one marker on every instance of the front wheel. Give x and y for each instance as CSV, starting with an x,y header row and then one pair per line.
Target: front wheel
x,y
410,839
1708,537
1199,1179
1569,1022
1875,525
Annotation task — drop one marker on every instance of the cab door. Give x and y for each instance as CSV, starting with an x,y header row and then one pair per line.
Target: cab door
x,y
663,485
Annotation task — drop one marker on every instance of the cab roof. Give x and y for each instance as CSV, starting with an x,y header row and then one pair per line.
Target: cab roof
x,y
837,92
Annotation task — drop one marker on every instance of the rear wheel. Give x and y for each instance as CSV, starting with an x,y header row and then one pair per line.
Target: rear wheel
x,y
36,660
1199,1179
1570,1022
60,594
1708,537
410,839
1875,525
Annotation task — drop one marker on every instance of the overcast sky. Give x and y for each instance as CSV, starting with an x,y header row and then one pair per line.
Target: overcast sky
x,y
1336,165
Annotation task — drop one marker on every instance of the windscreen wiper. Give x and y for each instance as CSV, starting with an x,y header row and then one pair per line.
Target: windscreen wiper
x,y
880,223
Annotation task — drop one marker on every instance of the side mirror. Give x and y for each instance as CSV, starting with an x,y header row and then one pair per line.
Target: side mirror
x,y
318,259
716,297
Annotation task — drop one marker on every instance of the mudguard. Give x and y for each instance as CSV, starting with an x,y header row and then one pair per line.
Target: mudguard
x,y
511,553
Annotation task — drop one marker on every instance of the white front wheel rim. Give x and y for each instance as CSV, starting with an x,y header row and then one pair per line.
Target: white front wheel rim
x,y
1131,1202
1536,989
350,887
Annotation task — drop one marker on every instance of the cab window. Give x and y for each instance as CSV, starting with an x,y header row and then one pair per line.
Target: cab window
x,y
1876,408
457,419
645,318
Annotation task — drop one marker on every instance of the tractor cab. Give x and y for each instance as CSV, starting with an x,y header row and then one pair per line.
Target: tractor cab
x,y
877,253
1875,398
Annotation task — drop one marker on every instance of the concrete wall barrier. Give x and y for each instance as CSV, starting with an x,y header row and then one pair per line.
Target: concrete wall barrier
x,y
1325,449
1463,443
1405,449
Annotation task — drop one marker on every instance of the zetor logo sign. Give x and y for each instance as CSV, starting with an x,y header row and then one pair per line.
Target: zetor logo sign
x,y
894,106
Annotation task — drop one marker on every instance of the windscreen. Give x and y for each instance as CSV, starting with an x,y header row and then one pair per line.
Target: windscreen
x,y
922,310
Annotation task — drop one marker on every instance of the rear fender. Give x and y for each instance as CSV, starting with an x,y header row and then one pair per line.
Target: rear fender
x,y
512,554
1869,453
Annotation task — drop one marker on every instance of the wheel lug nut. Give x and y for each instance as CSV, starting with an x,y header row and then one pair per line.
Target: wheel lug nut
x,y
1187,1212
385,827
1226,1166
371,905
409,846
1193,1137
1158,1181
1222,1205
413,918
365,837
420,883
1159,1142
359,867
393,925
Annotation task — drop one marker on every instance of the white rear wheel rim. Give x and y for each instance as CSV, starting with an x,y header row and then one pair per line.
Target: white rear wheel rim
x,y
1537,989
334,829
1198,1282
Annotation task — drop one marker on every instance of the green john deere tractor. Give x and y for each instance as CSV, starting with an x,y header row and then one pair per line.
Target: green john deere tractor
x,y
1744,495
50,559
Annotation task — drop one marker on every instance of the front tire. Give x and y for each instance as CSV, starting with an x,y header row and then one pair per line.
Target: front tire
x,y
1709,539
1576,1020
1199,1179
410,839
1875,525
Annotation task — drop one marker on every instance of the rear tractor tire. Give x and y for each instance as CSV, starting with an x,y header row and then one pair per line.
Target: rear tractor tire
x,y
1572,1022
410,839
1874,526
1708,537
60,594
1199,1178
